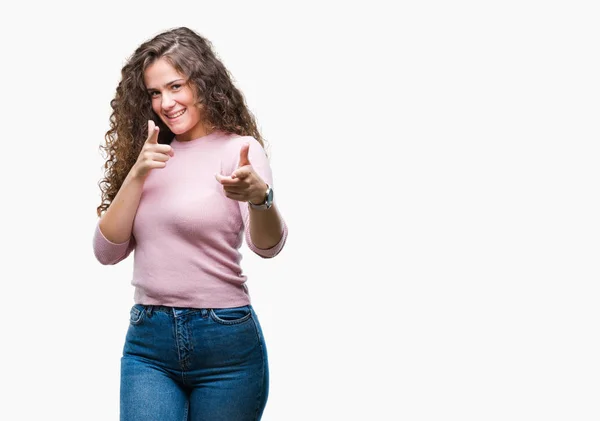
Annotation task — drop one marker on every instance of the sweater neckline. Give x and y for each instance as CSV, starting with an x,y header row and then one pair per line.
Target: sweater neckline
x,y
176,144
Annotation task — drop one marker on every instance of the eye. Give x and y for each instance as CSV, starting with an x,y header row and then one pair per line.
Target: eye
x,y
176,87
154,94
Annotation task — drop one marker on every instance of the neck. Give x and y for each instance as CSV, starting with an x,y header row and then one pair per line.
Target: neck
x,y
199,131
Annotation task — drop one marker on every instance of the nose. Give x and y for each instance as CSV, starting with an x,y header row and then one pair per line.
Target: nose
x,y
167,102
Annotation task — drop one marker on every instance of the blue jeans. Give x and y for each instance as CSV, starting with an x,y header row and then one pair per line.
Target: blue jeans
x,y
186,364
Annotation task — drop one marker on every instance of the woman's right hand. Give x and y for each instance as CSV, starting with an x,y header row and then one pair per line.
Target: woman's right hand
x,y
153,155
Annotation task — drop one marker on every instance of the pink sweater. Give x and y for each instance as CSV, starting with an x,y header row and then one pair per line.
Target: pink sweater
x,y
187,233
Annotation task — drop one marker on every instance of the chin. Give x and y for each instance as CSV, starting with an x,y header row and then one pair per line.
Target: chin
x,y
178,129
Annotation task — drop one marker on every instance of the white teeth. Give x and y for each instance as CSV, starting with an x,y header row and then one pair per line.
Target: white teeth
x,y
176,114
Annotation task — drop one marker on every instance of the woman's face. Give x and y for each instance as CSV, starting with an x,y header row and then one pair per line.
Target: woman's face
x,y
174,101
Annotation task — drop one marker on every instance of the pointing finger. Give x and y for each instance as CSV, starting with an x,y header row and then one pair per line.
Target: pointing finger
x,y
244,160
222,178
152,132
241,173
226,180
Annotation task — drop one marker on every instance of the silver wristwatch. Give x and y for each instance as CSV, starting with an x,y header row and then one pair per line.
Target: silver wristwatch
x,y
267,203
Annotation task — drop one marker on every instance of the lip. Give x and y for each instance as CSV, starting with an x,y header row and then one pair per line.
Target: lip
x,y
175,118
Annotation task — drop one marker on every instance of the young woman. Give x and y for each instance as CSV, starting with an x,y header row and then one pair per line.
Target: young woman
x,y
186,180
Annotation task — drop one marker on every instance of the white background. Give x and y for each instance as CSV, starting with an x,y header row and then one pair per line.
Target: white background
x,y
437,165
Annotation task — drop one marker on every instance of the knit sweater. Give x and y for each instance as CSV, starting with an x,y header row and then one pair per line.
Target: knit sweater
x,y
186,233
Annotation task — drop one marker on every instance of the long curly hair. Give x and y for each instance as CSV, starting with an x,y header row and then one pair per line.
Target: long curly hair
x,y
192,55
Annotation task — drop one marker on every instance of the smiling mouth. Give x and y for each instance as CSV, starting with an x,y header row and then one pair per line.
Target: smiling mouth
x,y
175,115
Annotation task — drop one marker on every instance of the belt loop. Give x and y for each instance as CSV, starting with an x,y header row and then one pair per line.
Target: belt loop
x,y
204,313
149,310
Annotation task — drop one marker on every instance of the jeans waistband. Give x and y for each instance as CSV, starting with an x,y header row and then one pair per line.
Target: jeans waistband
x,y
174,311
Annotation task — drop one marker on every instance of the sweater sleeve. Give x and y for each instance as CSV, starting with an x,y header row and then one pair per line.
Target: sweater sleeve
x,y
260,164
109,253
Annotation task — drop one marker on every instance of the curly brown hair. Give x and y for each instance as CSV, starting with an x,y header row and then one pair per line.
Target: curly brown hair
x,y
192,55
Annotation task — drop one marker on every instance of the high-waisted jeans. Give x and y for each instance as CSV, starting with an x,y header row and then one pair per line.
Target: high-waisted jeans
x,y
185,364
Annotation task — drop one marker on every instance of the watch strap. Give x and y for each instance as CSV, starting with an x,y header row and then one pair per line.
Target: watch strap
x,y
267,203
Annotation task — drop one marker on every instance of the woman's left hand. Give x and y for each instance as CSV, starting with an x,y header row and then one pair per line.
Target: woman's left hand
x,y
244,184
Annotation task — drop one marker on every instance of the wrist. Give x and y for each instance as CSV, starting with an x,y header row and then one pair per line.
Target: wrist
x,y
261,197
136,176
265,202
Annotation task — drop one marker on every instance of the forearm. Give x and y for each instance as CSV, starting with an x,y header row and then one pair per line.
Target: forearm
x,y
117,222
266,227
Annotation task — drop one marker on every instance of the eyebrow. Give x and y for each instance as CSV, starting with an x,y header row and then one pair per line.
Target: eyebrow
x,y
167,84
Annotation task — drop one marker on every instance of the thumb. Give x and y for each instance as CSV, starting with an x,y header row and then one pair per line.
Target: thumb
x,y
244,160
152,132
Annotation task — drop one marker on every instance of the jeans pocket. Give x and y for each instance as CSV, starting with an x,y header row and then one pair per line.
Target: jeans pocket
x,y
231,316
136,314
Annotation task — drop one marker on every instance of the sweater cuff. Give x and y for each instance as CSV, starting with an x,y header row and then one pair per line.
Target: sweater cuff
x,y
270,252
105,250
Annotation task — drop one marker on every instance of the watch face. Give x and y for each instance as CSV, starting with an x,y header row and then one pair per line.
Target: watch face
x,y
270,197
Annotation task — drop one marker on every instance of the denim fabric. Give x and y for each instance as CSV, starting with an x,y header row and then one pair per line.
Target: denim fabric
x,y
186,364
